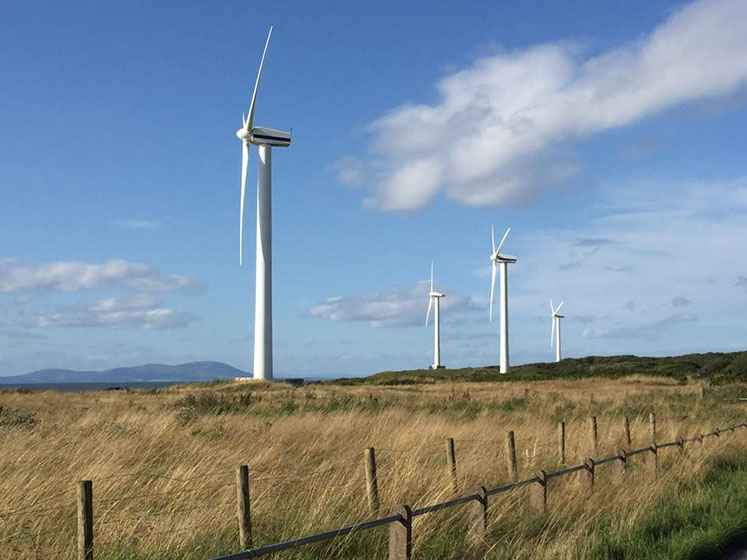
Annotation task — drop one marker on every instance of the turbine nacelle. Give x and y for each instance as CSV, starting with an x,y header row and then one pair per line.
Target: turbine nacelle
x,y
436,294
497,257
262,136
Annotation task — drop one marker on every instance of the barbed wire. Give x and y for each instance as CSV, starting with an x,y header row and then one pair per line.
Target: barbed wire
x,y
32,510
44,500
29,535
162,477
103,518
157,494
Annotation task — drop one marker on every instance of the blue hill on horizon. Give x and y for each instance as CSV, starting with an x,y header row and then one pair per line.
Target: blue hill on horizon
x,y
192,371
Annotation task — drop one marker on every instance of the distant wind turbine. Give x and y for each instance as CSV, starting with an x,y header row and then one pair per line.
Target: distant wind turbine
x,y
435,296
555,331
499,258
264,139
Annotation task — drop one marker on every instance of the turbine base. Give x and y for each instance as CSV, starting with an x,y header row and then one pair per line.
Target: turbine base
x,y
438,367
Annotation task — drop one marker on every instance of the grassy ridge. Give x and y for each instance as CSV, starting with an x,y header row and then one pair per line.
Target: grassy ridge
x,y
715,368
163,462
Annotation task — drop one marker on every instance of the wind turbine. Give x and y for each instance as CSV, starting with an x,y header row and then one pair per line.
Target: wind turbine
x,y
499,258
435,296
264,139
555,331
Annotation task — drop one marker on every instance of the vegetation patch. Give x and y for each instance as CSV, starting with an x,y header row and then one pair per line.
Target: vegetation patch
x,y
712,368
697,522
10,418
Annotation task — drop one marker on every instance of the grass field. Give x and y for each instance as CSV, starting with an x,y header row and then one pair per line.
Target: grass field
x,y
163,467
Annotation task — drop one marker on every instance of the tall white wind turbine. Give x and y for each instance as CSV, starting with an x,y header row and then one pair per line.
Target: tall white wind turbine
x,y
264,139
433,295
499,258
555,330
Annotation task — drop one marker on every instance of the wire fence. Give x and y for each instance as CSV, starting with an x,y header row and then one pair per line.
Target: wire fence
x,y
329,475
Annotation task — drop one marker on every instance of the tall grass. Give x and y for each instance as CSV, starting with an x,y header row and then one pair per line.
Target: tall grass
x,y
163,462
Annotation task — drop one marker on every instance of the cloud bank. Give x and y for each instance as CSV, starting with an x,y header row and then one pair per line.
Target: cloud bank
x,y
139,308
72,276
402,306
489,139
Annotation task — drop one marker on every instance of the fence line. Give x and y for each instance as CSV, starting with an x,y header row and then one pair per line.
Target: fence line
x,y
400,521
370,482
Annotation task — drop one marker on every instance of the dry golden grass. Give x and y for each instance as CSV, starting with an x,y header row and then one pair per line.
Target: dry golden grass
x,y
163,467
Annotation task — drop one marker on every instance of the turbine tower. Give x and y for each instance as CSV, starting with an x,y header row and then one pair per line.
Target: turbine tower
x,y
555,330
264,139
499,258
435,296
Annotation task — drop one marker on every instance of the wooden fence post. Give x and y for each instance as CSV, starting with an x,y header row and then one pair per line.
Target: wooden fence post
x,y
400,534
538,492
651,459
626,427
478,515
85,520
561,442
372,483
243,510
513,471
594,433
652,425
622,461
587,476
451,463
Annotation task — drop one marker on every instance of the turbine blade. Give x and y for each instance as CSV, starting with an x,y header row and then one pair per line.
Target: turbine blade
x,y
492,290
431,276
559,306
552,333
500,245
428,315
244,165
250,116
552,309
492,237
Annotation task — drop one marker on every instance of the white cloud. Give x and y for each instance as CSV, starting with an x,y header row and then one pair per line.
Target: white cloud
x,y
140,310
489,139
403,306
665,240
73,276
134,223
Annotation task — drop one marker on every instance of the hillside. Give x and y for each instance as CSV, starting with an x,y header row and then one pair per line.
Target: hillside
x,y
192,371
712,367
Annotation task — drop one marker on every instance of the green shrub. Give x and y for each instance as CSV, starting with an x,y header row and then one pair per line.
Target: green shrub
x,y
10,418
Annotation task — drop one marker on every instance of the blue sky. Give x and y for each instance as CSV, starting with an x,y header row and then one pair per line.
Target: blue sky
x,y
608,136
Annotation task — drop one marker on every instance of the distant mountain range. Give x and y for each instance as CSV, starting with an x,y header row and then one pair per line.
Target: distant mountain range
x,y
193,371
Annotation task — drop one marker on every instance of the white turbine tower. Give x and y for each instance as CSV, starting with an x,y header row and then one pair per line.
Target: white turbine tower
x,y
555,331
264,139
435,296
499,258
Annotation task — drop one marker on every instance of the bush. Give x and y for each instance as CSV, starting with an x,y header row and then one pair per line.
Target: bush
x,y
185,415
739,366
214,403
10,418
